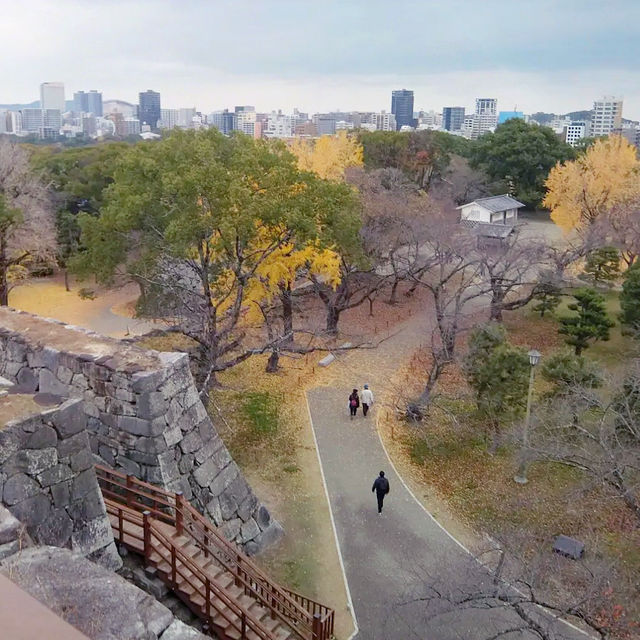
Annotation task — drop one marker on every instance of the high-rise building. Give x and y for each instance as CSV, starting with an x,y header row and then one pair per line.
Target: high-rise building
x,y
168,119
185,117
575,131
279,125
45,122
402,108
90,102
384,121
452,118
224,121
485,117
52,96
606,116
127,109
325,123
149,108
245,119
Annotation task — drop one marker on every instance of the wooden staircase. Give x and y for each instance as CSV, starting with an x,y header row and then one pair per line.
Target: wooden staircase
x,y
208,573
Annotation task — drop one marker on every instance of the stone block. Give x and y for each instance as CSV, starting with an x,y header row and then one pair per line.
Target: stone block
x,y
55,530
205,473
16,350
50,358
9,548
143,458
27,380
64,374
224,479
69,419
150,584
185,465
9,445
249,530
214,511
55,475
18,488
128,466
151,404
327,360
248,506
178,630
48,383
263,517
81,460
144,381
32,511
61,494
9,526
107,454
228,506
208,449
90,507
172,436
191,442
269,536
151,445
238,489
83,484
73,444
124,395
569,547
35,461
42,438
231,528
135,426
94,535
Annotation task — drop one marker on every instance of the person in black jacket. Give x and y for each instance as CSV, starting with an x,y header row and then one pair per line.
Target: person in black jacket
x,y
354,403
381,487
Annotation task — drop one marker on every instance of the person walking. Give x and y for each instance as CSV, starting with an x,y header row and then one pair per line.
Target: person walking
x,y
381,487
354,403
367,399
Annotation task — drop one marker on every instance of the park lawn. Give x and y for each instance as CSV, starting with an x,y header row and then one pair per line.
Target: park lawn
x,y
448,454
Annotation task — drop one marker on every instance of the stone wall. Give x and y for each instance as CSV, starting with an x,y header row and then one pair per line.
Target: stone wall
x,y
144,416
47,481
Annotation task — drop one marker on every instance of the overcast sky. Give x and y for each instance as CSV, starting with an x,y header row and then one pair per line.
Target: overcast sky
x,y
538,55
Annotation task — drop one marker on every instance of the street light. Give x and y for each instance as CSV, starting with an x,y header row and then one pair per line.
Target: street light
x,y
521,476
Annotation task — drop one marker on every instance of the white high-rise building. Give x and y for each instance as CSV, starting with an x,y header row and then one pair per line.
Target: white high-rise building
x,y
52,96
486,116
606,116
246,119
185,118
168,118
575,131
384,121
279,125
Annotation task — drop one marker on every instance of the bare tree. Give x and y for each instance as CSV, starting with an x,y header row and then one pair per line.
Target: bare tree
x,y
27,226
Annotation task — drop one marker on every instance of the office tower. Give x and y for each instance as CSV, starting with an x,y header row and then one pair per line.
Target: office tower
x,y
485,117
149,108
325,123
91,102
185,117
80,102
503,116
168,119
402,108
224,121
452,118
31,120
383,121
575,131
52,96
245,119
279,125
606,116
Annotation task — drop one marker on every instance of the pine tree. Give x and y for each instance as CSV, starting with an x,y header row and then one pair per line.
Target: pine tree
x,y
603,265
591,322
630,300
548,295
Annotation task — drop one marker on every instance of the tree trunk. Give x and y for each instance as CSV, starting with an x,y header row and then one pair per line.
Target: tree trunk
x,y
393,298
287,315
495,312
371,307
66,280
627,495
495,438
272,362
333,315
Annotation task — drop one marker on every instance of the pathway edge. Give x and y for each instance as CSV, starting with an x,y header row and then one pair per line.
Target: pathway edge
x,y
333,523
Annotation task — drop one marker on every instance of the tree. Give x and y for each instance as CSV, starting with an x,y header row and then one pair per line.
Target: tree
x,y
566,371
603,265
591,322
27,230
522,154
498,374
198,215
328,156
593,185
630,300
547,293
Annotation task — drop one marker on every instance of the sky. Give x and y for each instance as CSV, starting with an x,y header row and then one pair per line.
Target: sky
x,y
321,55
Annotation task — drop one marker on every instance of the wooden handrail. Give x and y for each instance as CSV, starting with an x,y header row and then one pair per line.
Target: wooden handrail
x,y
306,618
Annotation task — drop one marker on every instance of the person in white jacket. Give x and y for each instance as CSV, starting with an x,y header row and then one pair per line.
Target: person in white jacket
x,y
366,397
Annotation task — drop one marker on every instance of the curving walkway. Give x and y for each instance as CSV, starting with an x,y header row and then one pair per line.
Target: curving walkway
x,y
391,560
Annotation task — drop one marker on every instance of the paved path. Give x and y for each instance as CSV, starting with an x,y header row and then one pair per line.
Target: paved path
x,y
391,559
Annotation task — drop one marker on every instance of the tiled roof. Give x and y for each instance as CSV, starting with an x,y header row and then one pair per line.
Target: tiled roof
x,y
497,203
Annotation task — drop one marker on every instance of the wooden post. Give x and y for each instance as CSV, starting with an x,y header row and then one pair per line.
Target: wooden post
x,y
120,525
173,567
207,604
129,485
146,535
316,629
238,561
244,626
179,513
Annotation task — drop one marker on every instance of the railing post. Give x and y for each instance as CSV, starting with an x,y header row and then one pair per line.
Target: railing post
x,y
207,587
238,560
179,513
173,567
316,630
244,626
146,537
120,525
129,486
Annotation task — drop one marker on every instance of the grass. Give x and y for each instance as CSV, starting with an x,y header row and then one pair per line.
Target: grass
x,y
262,411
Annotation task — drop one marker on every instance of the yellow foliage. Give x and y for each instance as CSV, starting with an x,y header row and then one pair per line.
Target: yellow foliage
x,y
579,191
328,156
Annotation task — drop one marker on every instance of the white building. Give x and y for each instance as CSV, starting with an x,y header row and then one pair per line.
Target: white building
x,y
131,126
127,109
384,121
429,120
606,116
501,210
185,117
485,117
575,131
168,118
559,124
52,96
279,125
246,120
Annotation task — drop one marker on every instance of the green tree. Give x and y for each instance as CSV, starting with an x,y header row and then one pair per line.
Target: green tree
x,y
630,300
197,215
590,322
498,374
522,154
567,371
603,265
548,295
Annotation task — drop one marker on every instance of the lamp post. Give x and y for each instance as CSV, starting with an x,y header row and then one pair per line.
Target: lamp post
x,y
521,476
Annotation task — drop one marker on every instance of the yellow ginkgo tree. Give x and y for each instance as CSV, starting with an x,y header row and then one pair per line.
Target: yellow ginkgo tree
x,y
582,191
328,156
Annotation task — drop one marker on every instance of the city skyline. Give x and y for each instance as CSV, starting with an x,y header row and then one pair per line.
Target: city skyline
x,y
526,57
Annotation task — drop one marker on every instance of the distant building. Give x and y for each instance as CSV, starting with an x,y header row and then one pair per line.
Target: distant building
x,y
186,117
223,120
503,116
279,125
485,117
452,118
606,116
306,130
168,119
4,121
402,108
325,123
127,109
131,126
559,124
149,108
52,96
384,121
89,125
575,131
245,119
429,120
90,102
